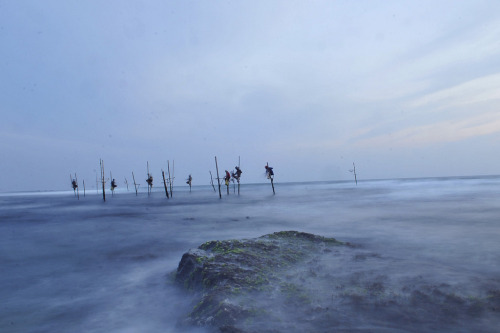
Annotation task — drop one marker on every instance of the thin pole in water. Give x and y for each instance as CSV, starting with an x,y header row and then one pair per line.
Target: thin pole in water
x,y
165,183
72,183
218,179
135,184
103,181
354,172
150,183
355,176
112,188
271,176
170,180
212,181
77,190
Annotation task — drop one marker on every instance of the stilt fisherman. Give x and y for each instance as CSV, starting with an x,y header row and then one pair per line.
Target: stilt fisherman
x,y
113,185
150,180
270,175
227,178
189,181
269,172
237,174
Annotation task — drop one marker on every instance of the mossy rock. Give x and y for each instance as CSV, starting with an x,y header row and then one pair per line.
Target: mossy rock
x,y
230,275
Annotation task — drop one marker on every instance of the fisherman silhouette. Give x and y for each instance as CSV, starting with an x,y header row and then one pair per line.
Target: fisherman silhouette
x,y
150,180
189,180
269,172
238,173
75,185
113,185
227,178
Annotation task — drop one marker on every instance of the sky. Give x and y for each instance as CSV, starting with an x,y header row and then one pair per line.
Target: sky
x,y
402,89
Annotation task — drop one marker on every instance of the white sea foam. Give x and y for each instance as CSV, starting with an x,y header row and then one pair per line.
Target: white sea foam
x,y
91,266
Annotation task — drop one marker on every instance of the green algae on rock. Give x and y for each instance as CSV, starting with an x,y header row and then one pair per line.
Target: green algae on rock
x,y
294,282
231,275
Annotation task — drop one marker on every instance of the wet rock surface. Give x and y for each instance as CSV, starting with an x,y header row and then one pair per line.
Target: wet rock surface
x,y
291,281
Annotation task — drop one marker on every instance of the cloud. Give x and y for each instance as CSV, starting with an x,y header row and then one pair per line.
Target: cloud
x,y
483,89
446,58
455,113
441,132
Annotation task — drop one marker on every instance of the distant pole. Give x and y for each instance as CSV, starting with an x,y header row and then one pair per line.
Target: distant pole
x,y
218,178
189,181
173,177
126,183
112,188
355,176
239,166
103,181
165,183
84,188
150,183
354,172
170,180
135,184
73,183
212,181
271,176
77,190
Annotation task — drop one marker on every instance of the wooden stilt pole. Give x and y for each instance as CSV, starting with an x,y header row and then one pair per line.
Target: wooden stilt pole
x,y
212,181
72,184
77,190
173,178
103,181
170,180
111,188
126,183
84,188
239,166
272,179
165,183
355,176
218,178
135,184
150,184
354,172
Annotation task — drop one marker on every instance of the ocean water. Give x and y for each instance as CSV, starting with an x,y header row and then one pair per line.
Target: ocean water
x,y
86,265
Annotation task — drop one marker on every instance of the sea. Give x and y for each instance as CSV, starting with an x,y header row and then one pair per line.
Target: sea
x,y
82,264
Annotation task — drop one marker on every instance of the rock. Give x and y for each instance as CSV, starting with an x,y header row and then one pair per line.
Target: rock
x,y
292,281
231,275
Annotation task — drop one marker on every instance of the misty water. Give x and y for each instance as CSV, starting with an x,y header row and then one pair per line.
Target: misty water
x,y
86,265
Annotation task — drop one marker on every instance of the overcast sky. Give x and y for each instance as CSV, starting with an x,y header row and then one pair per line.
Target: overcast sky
x,y
401,88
